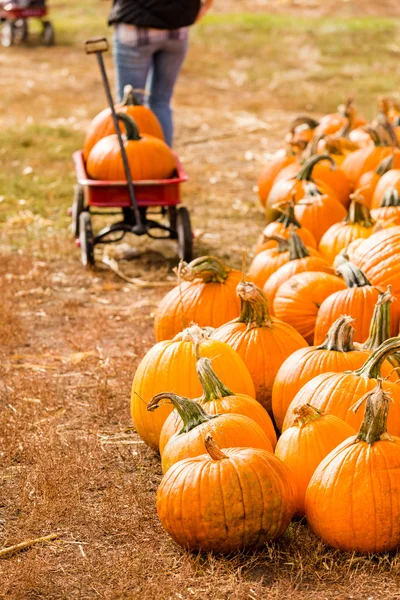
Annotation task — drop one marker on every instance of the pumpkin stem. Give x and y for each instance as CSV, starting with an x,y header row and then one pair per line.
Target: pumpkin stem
x,y
374,135
213,450
131,129
194,334
358,212
254,306
340,336
287,216
374,425
385,165
129,97
305,174
306,414
379,329
372,366
189,411
296,247
391,197
283,243
213,388
352,275
208,268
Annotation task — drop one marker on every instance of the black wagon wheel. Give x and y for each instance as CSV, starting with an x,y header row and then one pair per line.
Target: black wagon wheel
x,y
8,34
86,239
185,235
21,30
171,214
78,206
48,36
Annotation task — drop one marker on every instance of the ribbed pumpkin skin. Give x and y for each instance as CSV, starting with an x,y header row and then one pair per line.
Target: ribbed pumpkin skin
x,y
379,258
279,229
268,174
353,499
297,301
387,213
207,304
336,393
102,125
303,446
228,431
358,302
226,505
391,179
268,262
363,160
149,158
318,213
263,350
302,366
293,267
339,236
170,366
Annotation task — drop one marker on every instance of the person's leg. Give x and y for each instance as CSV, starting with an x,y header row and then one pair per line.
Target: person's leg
x,y
166,65
132,65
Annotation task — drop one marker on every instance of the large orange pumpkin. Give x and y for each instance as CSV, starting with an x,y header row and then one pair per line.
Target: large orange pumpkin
x,y
226,501
282,227
206,295
353,498
103,124
217,399
171,366
263,342
303,446
229,430
317,212
336,393
149,157
336,354
297,301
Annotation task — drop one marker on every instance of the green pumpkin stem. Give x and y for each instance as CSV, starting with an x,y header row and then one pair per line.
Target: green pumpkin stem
x,y
352,275
213,450
283,243
213,388
287,216
189,411
374,425
208,268
306,414
131,129
358,212
385,165
305,173
374,135
129,97
391,197
379,329
297,248
254,306
340,336
372,366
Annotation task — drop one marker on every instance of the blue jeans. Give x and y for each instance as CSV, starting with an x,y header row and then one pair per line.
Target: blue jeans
x,y
151,62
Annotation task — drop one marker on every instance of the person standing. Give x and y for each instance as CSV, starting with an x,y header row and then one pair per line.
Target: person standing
x,y
150,43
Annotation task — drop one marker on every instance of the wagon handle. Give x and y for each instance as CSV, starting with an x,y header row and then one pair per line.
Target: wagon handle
x,y
97,46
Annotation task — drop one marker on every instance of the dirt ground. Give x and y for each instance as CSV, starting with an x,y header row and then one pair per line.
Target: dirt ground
x,y
71,339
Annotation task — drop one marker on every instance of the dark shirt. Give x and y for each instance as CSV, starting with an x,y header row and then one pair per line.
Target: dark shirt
x,y
157,14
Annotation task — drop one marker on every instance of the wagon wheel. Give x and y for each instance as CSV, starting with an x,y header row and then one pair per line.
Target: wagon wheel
x,y
48,37
185,235
78,206
171,213
8,34
86,239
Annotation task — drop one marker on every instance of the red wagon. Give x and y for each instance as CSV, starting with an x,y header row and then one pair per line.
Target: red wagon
x,y
15,14
160,198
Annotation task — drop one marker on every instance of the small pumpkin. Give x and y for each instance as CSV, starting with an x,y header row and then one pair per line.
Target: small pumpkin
x,y
337,353
149,157
336,393
313,435
251,501
217,399
297,301
353,498
389,209
263,342
205,295
229,430
170,365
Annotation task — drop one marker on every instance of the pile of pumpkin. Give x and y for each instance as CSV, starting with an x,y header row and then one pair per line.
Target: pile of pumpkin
x,y
303,348
148,155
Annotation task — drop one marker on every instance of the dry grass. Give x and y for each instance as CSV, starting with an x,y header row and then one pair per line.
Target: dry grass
x,y
70,340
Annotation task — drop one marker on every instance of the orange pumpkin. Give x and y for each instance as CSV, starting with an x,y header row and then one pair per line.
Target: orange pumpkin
x,y
388,181
217,399
103,124
149,157
389,209
251,501
269,173
303,446
336,393
353,499
332,123
281,227
171,365
366,159
297,300
206,295
336,354
229,430
357,224
369,180
261,340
